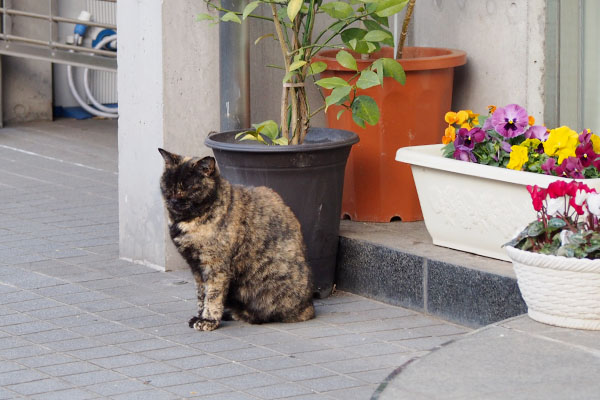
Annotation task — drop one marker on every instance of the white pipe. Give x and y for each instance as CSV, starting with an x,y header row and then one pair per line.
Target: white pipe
x,y
82,103
86,76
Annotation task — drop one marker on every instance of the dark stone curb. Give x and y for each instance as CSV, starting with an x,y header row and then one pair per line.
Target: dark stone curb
x,y
453,292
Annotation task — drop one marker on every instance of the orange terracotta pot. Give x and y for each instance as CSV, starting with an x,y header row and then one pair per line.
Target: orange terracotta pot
x,y
376,187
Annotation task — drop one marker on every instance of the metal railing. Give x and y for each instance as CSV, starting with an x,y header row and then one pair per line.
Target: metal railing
x,y
51,50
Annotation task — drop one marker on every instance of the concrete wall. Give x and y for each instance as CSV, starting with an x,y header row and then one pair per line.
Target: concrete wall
x,y
504,41
27,84
168,91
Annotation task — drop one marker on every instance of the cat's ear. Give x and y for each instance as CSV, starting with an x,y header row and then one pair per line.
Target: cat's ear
x,y
171,159
206,166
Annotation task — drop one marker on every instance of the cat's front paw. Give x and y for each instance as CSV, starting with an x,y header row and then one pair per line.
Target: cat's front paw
x,y
201,324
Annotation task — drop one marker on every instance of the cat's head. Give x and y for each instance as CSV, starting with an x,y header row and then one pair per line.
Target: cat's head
x,y
188,184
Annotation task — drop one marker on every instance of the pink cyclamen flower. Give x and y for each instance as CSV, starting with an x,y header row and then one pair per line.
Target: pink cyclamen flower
x,y
537,196
510,121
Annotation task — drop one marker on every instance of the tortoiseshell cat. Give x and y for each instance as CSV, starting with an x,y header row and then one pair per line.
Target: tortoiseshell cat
x,y
243,245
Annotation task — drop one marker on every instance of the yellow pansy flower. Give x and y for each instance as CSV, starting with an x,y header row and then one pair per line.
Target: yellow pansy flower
x,y
561,142
461,117
449,134
531,143
595,143
450,117
518,157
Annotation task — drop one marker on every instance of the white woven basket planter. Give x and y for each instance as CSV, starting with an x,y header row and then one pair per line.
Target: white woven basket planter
x,y
559,291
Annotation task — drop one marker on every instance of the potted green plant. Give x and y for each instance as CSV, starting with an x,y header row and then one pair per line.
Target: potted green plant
x,y
557,256
306,165
376,188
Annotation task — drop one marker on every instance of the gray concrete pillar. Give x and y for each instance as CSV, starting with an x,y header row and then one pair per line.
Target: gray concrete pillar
x,y
168,97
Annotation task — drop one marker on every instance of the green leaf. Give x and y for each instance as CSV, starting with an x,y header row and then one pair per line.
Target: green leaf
x,y
297,64
337,96
204,17
352,34
376,36
392,68
346,60
288,76
339,114
556,223
293,8
231,17
249,8
263,37
367,79
535,229
381,20
332,83
378,66
358,121
338,9
365,108
387,8
316,68
281,141
268,128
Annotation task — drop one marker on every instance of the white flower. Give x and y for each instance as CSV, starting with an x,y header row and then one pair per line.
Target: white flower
x,y
565,237
580,197
593,203
553,206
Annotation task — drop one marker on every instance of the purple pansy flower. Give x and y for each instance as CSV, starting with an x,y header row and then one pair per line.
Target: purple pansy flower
x,y
487,125
506,147
465,142
571,168
510,121
548,166
537,132
585,153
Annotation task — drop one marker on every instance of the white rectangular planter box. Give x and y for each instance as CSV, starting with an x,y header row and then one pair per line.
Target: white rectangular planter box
x,y
473,207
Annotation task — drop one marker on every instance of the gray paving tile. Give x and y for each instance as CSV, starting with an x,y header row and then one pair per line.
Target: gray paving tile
x,y
330,383
69,394
303,372
195,362
71,368
201,389
121,361
46,360
40,386
20,376
225,371
117,387
146,369
93,377
172,379
97,352
8,366
279,391
146,395
23,352
275,363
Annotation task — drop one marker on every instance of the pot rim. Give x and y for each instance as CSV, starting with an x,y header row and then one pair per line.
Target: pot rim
x,y
430,156
552,261
452,58
344,139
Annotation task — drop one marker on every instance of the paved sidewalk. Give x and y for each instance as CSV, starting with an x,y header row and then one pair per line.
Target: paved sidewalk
x,y
517,359
78,323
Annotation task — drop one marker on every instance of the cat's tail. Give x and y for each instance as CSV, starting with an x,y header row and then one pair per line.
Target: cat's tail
x,y
305,313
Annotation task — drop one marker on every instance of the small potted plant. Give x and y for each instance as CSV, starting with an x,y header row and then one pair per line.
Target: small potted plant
x,y
484,165
306,165
557,256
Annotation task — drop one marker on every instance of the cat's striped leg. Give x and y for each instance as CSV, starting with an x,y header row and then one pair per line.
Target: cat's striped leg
x,y
214,303
200,296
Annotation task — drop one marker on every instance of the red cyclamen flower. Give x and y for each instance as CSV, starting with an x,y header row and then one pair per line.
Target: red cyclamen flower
x,y
538,195
557,189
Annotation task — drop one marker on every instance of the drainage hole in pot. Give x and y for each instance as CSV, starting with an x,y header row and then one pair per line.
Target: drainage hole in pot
x,y
346,217
395,218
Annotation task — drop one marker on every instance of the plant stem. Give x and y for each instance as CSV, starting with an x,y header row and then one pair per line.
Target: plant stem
x,y
284,52
407,16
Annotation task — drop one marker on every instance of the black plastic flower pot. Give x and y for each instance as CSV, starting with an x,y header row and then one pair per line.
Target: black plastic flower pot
x,y
309,178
